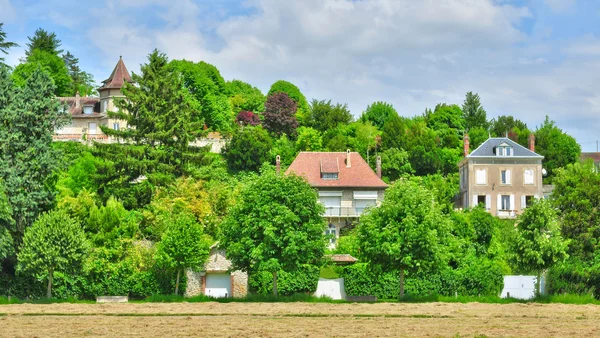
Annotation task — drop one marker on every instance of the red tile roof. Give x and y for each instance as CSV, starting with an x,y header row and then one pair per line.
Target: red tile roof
x,y
358,175
117,78
594,156
71,102
342,258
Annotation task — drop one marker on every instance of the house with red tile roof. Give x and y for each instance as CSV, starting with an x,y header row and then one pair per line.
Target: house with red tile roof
x,y
593,156
89,113
345,183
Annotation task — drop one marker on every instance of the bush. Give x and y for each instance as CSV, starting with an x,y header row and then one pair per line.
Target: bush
x,y
288,283
574,277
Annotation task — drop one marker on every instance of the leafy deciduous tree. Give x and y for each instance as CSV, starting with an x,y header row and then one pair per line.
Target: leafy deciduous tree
x,y
557,147
277,225
247,118
245,97
407,232
323,115
294,93
248,149
279,115
379,113
50,63
309,139
394,164
54,243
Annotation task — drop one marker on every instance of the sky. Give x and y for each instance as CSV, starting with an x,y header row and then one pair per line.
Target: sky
x,y
525,58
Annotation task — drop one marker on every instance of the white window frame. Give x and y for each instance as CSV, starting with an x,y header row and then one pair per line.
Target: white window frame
x,y
94,130
88,110
477,173
506,180
525,182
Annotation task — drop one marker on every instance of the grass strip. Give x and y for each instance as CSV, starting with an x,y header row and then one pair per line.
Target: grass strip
x,y
287,315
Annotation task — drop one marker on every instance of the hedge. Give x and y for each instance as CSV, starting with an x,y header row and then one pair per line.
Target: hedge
x,y
304,280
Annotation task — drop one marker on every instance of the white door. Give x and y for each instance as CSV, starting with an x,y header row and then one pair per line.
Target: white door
x,y
218,285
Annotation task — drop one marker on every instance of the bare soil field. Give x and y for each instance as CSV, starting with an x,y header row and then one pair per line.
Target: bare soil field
x,y
299,320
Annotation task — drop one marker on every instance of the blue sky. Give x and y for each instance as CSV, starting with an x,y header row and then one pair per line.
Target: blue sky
x,y
526,58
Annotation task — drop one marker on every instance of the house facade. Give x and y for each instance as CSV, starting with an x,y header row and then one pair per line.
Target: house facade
x,y
89,113
594,157
346,185
501,175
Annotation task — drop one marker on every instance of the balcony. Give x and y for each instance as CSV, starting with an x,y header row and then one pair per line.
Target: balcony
x,y
343,211
506,213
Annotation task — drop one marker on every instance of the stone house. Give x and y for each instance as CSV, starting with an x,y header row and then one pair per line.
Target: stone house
x,y
346,185
89,113
500,174
216,280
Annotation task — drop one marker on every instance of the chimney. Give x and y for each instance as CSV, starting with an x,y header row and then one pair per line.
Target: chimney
x,y
532,142
378,166
466,144
348,163
277,164
77,100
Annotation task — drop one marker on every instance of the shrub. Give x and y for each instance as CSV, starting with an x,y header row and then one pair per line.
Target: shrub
x,y
288,283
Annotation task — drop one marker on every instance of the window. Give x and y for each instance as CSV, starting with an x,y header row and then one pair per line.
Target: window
x,y
329,176
332,201
526,201
363,200
331,232
88,110
481,199
481,176
528,176
505,176
504,150
505,202
116,126
92,128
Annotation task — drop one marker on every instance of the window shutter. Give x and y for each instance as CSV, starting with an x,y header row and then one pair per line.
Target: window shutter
x,y
474,201
523,203
512,202
508,179
499,206
488,201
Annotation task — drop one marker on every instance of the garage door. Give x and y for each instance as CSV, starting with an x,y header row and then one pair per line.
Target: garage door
x,y
218,285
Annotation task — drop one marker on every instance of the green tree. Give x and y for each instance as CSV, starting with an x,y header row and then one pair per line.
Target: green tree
x,y
52,64
5,45
285,148
484,226
158,145
576,195
183,246
557,147
394,164
309,139
44,41
474,114
508,126
277,225
379,113
248,149
538,244
448,123
54,243
477,136
82,82
28,117
294,93
245,97
406,233
6,222
323,115
207,87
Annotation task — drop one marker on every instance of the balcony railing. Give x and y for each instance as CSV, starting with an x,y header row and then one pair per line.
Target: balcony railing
x,y
343,211
506,213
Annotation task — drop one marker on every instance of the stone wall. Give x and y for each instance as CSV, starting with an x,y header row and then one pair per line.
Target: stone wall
x,y
217,262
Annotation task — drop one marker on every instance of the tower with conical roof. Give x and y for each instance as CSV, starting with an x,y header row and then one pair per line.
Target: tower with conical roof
x,y
111,88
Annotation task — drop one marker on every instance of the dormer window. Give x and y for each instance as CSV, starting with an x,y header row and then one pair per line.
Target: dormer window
x,y
88,110
330,170
329,176
504,150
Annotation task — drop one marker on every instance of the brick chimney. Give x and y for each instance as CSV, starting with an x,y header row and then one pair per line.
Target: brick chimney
x,y
532,142
466,145
77,100
277,164
378,166
348,163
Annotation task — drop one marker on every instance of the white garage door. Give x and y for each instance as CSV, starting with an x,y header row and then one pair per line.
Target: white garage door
x,y
218,285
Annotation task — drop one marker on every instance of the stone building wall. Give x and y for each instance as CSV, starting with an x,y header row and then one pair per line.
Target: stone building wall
x,y
217,263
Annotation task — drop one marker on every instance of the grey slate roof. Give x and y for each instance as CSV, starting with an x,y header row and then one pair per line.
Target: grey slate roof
x,y
487,149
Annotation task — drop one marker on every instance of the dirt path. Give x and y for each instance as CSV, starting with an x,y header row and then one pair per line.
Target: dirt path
x,y
299,320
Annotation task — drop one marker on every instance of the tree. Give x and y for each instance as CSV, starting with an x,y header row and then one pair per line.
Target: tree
x,y
279,115
207,87
448,123
158,145
557,147
5,45
538,244
294,93
309,139
508,126
576,195
54,243
247,118
379,113
183,246
43,41
484,225
52,64
248,149
277,225
244,97
28,118
406,233
323,115
474,114
394,164
6,221
82,82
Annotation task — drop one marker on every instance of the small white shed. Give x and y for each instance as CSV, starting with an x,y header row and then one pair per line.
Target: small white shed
x,y
521,287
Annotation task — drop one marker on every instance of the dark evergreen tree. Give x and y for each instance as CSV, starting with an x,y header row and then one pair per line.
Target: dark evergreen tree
x,y
45,41
5,45
474,114
82,82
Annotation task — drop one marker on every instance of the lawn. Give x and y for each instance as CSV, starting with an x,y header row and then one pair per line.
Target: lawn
x,y
299,319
